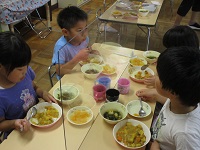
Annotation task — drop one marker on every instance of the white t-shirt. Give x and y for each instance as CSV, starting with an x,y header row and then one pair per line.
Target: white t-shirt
x,y
177,131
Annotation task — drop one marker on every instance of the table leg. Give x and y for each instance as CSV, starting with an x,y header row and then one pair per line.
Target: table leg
x,y
48,15
148,37
4,27
105,28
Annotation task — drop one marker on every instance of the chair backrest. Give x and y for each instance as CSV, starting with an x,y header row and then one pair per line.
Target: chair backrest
x,y
51,73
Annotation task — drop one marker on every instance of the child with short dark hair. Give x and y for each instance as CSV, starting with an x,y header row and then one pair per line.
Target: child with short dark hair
x,y
180,36
18,92
177,126
174,37
72,46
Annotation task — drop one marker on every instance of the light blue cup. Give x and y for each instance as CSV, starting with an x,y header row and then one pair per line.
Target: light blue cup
x,y
104,81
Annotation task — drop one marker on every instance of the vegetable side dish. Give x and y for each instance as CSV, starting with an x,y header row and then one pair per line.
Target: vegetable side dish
x,y
112,115
91,71
66,95
151,57
131,136
45,117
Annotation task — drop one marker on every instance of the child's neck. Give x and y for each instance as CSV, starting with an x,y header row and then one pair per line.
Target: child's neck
x,y
178,108
71,42
6,84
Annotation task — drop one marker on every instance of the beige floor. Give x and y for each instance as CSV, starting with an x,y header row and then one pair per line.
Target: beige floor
x,y
42,49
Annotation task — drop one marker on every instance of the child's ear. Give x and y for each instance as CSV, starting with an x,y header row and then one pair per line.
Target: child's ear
x,y
65,32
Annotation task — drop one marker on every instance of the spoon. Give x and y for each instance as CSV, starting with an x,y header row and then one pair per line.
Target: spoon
x,y
144,67
142,113
33,112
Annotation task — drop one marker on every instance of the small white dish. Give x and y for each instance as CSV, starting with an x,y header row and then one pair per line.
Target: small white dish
x,y
111,107
139,75
91,70
70,92
79,115
143,12
133,108
151,56
137,62
150,7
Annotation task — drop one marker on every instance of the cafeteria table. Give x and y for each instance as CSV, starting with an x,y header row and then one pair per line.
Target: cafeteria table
x,y
149,21
95,135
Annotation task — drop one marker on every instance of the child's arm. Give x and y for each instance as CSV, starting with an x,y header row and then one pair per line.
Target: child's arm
x,y
155,146
44,94
151,95
18,124
67,67
150,81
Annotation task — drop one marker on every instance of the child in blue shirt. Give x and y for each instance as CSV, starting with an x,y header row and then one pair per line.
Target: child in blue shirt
x,y
72,46
18,92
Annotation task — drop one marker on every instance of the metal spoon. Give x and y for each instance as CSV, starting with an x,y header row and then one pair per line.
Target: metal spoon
x,y
144,67
142,113
33,112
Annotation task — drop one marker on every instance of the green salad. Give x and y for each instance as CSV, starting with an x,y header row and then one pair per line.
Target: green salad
x,y
112,115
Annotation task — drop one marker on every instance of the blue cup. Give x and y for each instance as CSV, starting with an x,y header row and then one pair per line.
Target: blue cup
x,y
104,81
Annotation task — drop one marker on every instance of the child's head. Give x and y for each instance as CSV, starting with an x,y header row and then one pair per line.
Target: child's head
x,y
73,21
70,16
178,71
180,36
14,51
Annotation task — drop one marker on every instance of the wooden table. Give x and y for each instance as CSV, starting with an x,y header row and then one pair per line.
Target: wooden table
x,y
148,21
94,135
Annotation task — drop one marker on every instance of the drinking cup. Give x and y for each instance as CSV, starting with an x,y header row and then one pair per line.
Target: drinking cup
x,y
99,92
123,85
112,95
104,81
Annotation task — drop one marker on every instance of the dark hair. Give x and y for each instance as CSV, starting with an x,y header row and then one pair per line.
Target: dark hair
x,y
69,16
180,36
14,51
179,72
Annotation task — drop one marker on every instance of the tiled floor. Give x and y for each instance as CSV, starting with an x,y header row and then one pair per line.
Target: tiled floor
x,y
42,49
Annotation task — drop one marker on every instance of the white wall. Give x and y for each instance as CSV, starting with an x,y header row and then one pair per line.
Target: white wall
x,y
54,2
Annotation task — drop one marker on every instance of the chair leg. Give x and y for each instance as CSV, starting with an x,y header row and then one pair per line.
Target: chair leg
x,y
41,33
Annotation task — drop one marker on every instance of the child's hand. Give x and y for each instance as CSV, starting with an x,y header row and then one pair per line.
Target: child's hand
x,y
147,94
155,146
96,52
82,55
48,97
22,125
150,81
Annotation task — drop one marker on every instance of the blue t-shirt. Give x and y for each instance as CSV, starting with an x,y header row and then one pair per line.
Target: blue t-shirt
x,y
16,101
66,50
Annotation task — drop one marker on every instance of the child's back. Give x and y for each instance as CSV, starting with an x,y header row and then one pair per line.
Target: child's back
x,y
177,126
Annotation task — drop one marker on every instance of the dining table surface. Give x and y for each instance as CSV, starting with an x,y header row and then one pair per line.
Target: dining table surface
x,y
95,135
149,20
141,21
